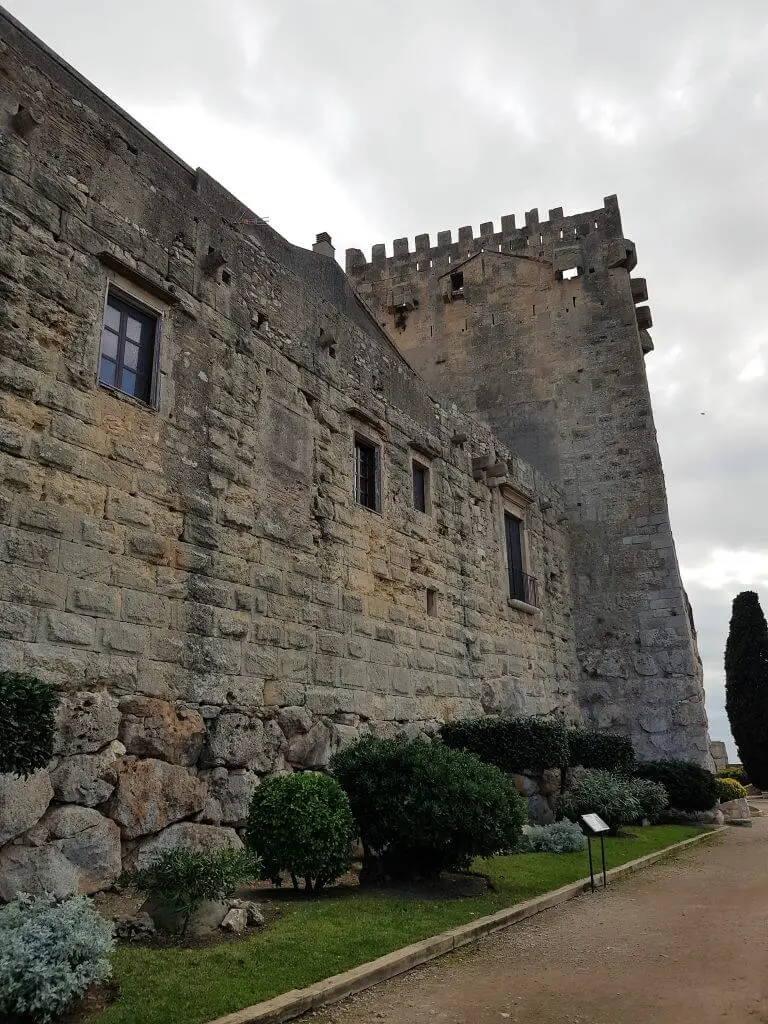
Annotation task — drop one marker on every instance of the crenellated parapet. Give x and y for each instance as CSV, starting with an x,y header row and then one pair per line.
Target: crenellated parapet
x,y
558,240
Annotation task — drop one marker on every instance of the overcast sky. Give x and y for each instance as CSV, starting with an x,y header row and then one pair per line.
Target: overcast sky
x,y
375,119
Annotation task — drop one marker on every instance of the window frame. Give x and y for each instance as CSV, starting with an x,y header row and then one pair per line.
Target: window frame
x,y
425,469
363,441
515,506
141,306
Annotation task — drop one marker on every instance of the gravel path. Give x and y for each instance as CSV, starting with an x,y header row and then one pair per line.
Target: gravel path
x,y
684,942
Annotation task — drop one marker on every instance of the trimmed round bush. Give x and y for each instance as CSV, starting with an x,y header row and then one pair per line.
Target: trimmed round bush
x,y
512,744
690,787
183,879
301,824
733,771
422,808
611,796
729,789
652,797
50,955
560,837
605,750
27,723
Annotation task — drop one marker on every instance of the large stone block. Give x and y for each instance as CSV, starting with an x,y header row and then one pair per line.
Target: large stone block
x,y
188,835
23,802
229,796
152,794
239,741
154,728
86,722
73,849
87,779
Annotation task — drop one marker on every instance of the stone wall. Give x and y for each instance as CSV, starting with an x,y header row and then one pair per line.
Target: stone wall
x,y
536,330
196,577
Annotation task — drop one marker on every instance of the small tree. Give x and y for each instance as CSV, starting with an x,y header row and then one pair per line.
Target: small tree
x,y
746,685
27,723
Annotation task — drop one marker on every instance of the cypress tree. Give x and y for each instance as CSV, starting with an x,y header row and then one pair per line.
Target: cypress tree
x,y
746,685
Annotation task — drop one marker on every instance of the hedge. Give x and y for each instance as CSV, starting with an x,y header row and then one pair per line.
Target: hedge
x,y
512,744
606,751
27,723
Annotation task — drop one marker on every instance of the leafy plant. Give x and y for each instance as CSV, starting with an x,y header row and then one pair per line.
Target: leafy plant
x,y
302,824
611,796
183,879
690,788
560,837
733,771
652,797
512,744
27,723
422,808
729,789
746,685
50,955
605,750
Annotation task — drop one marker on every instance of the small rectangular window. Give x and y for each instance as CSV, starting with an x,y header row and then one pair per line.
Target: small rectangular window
x,y
522,586
367,483
420,487
431,601
128,347
457,283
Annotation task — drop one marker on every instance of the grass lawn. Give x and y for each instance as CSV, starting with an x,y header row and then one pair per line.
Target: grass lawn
x,y
315,939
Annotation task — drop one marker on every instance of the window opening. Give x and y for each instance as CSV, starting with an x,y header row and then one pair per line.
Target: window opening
x,y
367,491
420,487
522,587
431,601
128,340
457,283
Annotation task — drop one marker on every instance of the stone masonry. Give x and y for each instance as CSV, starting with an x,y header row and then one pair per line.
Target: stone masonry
x,y
193,572
536,330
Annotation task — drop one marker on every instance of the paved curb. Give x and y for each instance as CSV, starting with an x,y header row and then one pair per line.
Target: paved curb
x,y
298,1001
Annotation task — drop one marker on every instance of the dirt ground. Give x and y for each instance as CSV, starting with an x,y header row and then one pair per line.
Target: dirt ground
x,y
684,942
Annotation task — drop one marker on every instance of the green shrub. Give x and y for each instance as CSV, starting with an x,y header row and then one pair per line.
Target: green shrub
x,y
729,789
559,837
605,750
302,824
27,723
183,879
611,796
50,955
652,797
733,771
422,808
512,744
690,787
746,685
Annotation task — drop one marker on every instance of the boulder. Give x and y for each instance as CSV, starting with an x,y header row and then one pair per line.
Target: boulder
x,y
293,720
524,784
23,802
86,722
73,849
87,779
152,794
229,796
539,811
155,728
235,920
203,921
188,835
736,812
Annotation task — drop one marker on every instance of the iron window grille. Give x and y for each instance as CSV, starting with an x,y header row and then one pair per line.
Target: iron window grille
x,y
522,586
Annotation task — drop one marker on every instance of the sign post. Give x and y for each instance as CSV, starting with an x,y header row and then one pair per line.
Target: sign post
x,y
595,826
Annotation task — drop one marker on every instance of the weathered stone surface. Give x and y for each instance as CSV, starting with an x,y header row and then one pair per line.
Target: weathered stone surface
x,y
525,784
539,810
152,794
188,835
202,922
735,811
294,720
719,754
86,722
73,849
87,779
23,802
312,749
239,741
229,796
235,920
154,728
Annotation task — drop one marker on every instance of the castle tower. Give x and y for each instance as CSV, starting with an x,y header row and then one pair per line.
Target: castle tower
x,y
538,331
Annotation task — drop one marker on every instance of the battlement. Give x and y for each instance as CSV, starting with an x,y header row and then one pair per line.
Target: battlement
x,y
534,238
